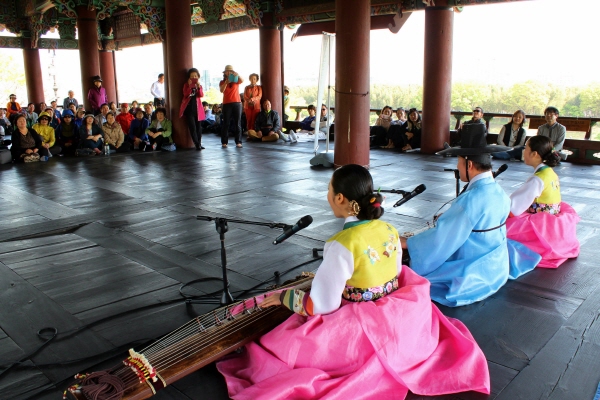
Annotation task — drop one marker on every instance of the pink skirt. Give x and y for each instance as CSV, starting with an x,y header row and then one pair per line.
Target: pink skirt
x,y
554,237
378,349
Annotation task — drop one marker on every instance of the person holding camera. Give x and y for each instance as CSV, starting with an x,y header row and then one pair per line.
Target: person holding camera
x,y
232,105
191,107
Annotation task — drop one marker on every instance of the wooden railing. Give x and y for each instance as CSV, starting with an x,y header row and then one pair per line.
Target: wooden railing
x,y
585,151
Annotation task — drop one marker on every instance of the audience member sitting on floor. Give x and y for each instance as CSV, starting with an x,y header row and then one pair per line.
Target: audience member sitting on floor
x,y
4,122
67,134
134,107
149,112
113,134
26,143
552,129
137,131
124,118
379,131
91,134
54,121
400,116
12,107
31,115
413,130
79,115
512,135
538,217
101,118
49,147
306,126
73,108
408,135
209,118
160,130
55,110
252,101
267,127
112,106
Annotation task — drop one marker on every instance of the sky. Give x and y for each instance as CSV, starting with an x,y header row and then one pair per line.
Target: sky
x,y
497,44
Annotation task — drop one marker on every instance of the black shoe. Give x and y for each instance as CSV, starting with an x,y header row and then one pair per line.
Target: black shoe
x,y
197,147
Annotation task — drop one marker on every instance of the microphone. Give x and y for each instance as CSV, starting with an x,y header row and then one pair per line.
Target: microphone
x,y
417,191
500,170
301,224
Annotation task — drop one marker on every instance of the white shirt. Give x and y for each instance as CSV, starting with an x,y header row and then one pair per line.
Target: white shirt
x,y
158,90
521,199
333,273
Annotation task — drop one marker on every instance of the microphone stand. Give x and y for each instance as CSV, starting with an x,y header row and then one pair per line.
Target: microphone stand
x,y
457,177
222,228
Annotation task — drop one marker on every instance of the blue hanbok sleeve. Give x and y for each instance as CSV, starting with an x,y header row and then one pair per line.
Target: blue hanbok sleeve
x,y
430,249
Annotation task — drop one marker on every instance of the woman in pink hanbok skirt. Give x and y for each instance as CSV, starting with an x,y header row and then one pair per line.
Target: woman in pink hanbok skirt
x,y
539,219
366,329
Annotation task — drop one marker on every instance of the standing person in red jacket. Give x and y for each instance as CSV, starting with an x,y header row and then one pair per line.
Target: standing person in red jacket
x,y
191,107
232,105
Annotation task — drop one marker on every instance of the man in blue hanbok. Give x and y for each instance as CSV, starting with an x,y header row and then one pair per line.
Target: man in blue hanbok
x,y
466,255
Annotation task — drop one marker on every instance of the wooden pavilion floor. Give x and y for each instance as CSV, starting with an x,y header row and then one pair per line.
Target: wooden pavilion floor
x,y
97,247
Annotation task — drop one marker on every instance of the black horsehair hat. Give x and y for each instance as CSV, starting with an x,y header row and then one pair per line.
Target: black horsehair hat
x,y
473,143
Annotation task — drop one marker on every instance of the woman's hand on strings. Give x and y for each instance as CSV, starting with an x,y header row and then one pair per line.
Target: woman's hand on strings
x,y
270,301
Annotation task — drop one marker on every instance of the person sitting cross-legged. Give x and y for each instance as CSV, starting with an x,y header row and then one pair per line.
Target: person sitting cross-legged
x,y
113,134
267,127
91,134
46,132
137,131
67,134
472,258
160,130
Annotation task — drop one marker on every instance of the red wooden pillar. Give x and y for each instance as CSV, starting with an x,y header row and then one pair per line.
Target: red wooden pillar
x,y
437,78
89,59
33,76
107,69
166,72
179,47
352,102
270,63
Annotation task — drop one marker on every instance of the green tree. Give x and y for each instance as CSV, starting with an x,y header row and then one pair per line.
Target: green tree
x,y
13,79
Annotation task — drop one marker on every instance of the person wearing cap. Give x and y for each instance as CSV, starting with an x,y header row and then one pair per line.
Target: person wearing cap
x,y
124,118
42,127
252,96
232,106
67,133
466,256
97,95
70,99
91,134
158,91
160,130
191,107
12,107
113,134
137,131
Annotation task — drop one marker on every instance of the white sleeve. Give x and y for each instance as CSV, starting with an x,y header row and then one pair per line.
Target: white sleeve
x,y
329,282
521,199
501,136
